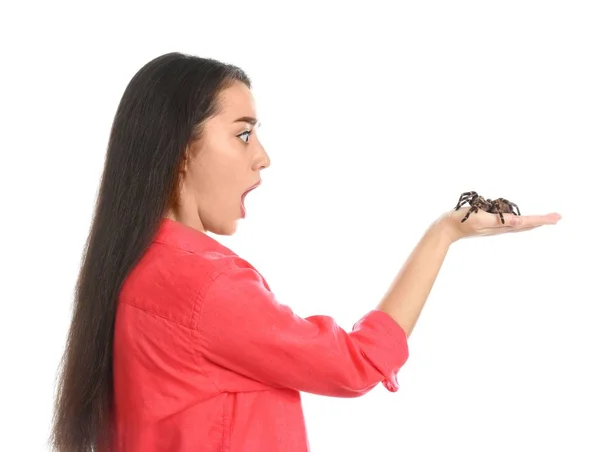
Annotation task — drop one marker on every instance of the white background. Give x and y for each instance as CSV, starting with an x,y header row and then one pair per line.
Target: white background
x,y
376,118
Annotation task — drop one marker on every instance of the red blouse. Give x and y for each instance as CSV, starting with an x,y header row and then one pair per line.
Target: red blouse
x,y
206,358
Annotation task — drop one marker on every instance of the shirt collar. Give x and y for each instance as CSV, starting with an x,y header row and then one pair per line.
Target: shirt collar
x,y
180,235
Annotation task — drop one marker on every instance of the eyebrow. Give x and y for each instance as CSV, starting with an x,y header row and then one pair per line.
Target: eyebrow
x,y
248,119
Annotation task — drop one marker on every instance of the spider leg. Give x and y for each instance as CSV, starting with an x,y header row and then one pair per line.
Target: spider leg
x,y
496,208
511,204
464,198
461,203
472,209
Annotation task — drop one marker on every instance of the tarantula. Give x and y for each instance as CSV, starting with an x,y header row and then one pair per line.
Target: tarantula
x,y
477,202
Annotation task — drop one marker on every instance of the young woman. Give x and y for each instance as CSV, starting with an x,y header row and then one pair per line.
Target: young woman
x,y
177,343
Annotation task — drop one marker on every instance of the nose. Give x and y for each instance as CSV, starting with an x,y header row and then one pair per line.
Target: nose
x,y
263,160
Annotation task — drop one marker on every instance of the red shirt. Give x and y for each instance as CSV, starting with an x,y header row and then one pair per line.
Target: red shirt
x,y
206,358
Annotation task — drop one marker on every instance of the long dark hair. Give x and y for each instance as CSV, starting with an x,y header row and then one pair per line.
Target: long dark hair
x,y
162,109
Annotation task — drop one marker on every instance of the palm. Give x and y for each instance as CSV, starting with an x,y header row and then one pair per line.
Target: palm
x,y
484,223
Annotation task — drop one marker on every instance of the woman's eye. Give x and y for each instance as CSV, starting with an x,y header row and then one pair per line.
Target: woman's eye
x,y
247,133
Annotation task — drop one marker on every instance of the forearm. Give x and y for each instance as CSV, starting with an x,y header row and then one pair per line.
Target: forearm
x,y
410,289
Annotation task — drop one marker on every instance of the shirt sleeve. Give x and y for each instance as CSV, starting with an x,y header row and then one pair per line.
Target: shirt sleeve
x,y
244,328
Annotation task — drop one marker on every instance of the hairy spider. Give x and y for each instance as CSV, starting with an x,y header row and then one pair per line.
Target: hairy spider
x,y
477,202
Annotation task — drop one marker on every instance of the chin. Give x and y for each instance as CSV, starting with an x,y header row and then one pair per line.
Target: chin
x,y
225,229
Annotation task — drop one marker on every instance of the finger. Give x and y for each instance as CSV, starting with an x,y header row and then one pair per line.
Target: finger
x,y
526,221
519,229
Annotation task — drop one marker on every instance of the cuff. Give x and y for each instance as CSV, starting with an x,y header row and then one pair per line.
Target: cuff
x,y
384,343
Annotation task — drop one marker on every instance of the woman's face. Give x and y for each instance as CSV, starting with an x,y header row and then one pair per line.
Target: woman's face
x,y
227,163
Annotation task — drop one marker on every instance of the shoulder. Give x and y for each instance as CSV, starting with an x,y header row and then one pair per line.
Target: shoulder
x,y
171,281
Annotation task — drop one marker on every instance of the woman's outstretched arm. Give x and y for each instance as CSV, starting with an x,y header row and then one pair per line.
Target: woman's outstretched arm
x,y
243,327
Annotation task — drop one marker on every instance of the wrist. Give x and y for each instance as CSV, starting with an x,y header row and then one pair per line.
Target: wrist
x,y
444,228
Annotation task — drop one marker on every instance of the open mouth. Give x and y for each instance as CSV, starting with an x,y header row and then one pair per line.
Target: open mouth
x,y
244,197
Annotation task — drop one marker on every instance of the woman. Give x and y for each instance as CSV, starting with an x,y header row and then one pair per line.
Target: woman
x,y
177,343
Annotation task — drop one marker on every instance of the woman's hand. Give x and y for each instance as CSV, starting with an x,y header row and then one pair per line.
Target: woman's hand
x,y
484,223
